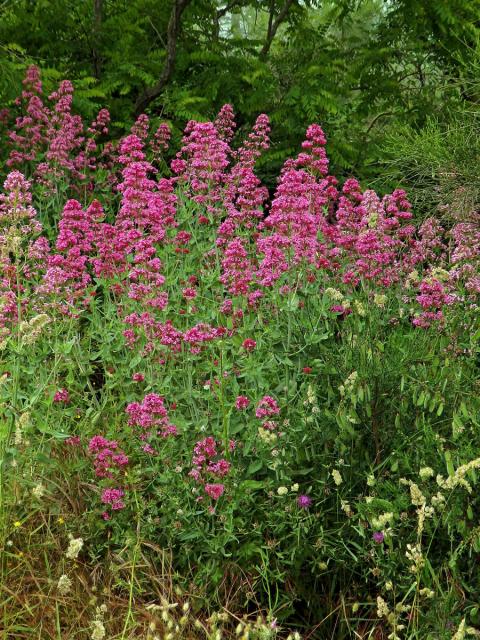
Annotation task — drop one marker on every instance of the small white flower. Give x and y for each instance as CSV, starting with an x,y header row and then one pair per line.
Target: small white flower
x,y
337,477
38,491
64,585
74,548
382,607
359,308
380,300
282,491
426,472
98,630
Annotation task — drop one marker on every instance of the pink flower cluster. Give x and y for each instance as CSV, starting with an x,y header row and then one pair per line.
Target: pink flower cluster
x,y
150,417
67,276
51,137
61,396
201,334
201,163
432,298
113,497
21,252
466,254
160,141
208,465
109,462
242,402
237,269
267,407
257,142
107,456
351,234
249,344
225,123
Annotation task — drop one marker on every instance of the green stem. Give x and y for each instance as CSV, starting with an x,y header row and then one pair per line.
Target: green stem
x,y
11,424
225,421
129,615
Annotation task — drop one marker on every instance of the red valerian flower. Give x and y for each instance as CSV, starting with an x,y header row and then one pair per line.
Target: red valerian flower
x,y
215,491
242,402
249,344
61,395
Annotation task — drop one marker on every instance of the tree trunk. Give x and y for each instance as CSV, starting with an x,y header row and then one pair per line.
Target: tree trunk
x,y
273,27
173,30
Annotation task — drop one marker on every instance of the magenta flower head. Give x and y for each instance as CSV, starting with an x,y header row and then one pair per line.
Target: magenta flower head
x,y
249,344
215,491
378,537
304,502
267,407
61,395
113,497
242,402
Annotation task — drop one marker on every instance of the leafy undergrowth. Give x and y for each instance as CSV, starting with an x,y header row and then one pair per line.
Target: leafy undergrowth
x,y
215,405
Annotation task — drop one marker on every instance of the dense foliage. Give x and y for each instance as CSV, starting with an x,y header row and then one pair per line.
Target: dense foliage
x,y
279,395
438,164
360,67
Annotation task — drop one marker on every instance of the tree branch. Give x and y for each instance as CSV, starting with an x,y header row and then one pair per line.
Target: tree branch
x,y
271,16
223,12
150,93
227,8
273,26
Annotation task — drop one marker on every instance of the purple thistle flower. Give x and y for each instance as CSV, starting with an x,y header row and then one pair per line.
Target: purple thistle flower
x,y
378,537
304,502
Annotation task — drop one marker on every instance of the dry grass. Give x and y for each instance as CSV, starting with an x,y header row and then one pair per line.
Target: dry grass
x,y
135,587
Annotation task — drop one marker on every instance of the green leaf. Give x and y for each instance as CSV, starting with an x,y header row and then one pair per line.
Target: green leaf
x,y
449,463
253,467
252,485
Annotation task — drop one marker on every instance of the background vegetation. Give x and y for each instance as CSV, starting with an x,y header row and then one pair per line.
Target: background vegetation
x,y
352,512
364,69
